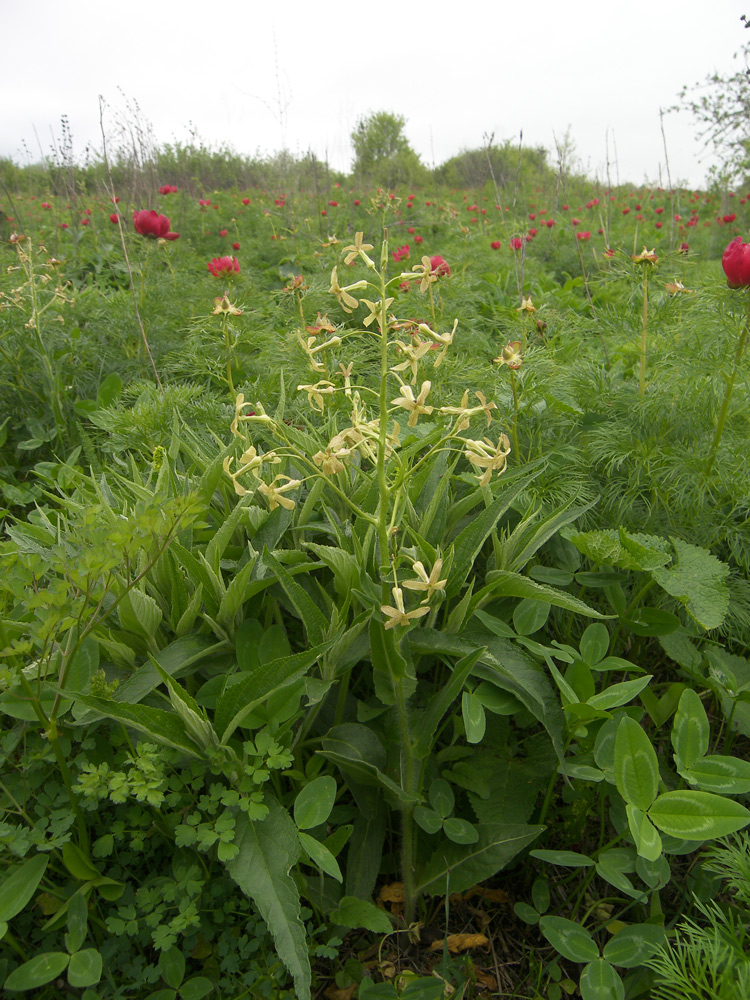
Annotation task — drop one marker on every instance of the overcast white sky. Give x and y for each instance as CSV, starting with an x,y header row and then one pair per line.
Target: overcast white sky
x,y
266,75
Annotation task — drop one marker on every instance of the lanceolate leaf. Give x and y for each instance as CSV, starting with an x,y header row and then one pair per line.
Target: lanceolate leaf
x,y
691,815
312,617
267,851
18,888
164,727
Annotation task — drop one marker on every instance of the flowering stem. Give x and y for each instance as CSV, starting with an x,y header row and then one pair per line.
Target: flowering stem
x,y
514,426
230,383
741,345
644,324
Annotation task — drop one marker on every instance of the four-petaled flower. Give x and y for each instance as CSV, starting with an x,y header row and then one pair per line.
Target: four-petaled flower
x,y
526,305
222,306
315,393
358,249
510,355
150,223
429,584
346,301
375,310
488,456
399,615
274,493
415,406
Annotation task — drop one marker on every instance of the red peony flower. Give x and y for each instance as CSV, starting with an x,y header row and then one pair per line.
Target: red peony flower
x,y
356,201
418,239
167,189
45,204
224,267
222,232
235,246
532,232
496,244
729,218
245,201
440,267
515,243
149,223
333,204
736,263
549,223
114,218
583,237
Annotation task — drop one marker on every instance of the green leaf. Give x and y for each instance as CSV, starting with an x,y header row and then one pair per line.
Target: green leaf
x,y
606,548
78,915
314,802
164,727
619,694
315,622
39,970
690,730
647,840
139,613
636,767
475,721
352,912
427,723
594,643
172,967
502,583
690,815
266,853
18,888
699,582
441,797
527,913
320,856
529,616
454,867
85,968
569,939
568,859
239,701
78,863
196,988
651,622
633,945
599,981
723,775
428,820
460,831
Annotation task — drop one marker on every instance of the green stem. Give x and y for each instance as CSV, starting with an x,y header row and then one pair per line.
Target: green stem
x,y
514,427
741,345
644,325
228,347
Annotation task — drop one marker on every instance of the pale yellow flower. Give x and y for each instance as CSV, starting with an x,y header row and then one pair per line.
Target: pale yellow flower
x,y
398,615
510,355
645,257
347,301
316,392
375,310
429,584
274,493
414,353
427,277
526,305
330,459
488,456
466,412
414,406
358,249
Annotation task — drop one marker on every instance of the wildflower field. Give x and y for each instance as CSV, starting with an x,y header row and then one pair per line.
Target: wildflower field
x,y
374,599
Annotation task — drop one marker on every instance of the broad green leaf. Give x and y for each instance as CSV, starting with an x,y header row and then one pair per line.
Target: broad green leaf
x,y
314,802
540,894
633,945
529,616
18,888
82,666
352,912
455,867
460,831
162,726
172,967
650,622
320,856
605,548
365,851
647,840
441,797
85,968
139,613
427,723
196,988
41,969
235,595
423,989
315,622
594,643
568,938
723,775
78,863
266,853
392,673
690,815
636,767
239,701
647,556
78,915
699,581
690,730
619,694
427,819
568,859
502,583
599,981
529,914
468,543
475,721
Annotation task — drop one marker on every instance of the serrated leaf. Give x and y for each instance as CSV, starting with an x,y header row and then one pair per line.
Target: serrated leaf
x,y
691,815
699,581
266,853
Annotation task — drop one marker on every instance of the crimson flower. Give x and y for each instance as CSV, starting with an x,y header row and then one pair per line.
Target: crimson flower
x,y
516,243
245,201
167,189
736,263
46,204
729,218
496,244
235,246
440,267
418,239
583,237
149,223
222,232
114,218
224,267
356,201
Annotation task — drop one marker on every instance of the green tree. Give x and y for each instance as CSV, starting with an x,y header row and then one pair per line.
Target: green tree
x,y
382,154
